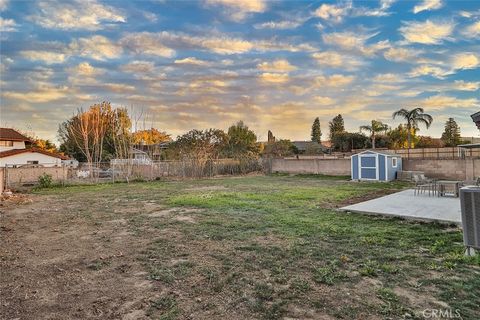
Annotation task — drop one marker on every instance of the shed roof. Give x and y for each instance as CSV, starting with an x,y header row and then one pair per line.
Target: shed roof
x,y
386,153
12,135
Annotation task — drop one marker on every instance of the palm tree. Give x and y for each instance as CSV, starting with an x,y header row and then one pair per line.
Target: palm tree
x,y
413,118
374,128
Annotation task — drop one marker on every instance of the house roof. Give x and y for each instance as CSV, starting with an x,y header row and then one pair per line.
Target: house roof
x,y
12,135
137,151
470,146
303,145
13,152
476,118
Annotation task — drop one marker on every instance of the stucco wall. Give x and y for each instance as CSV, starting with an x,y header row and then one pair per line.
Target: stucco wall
x,y
334,167
460,169
16,145
22,158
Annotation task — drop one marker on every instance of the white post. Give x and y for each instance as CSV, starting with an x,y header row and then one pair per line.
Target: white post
x,y
470,252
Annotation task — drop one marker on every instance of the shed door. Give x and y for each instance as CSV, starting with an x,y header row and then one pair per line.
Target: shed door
x,y
368,167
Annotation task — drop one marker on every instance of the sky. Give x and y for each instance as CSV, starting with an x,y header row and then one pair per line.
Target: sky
x,y
179,65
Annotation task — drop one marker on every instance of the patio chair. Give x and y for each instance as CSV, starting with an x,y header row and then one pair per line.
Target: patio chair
x,y
423,184
475,182
425,179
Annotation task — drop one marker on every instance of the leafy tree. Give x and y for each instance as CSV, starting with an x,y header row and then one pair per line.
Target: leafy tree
x,y
451,135
150,136
39,143
346,141
337,125
97,134
316,131
413,118
200,145
375,128
46,145
429,142
241,142
280,148
313,148
399,137
382,141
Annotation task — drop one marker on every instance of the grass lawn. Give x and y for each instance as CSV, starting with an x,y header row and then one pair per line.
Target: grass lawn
x,y
256,247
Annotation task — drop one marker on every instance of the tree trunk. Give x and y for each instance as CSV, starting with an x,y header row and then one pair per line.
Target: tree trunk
x,y
409,136
373,141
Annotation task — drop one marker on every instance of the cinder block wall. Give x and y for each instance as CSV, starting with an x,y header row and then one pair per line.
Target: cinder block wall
x,y
2,180
334,167
460,169
16,177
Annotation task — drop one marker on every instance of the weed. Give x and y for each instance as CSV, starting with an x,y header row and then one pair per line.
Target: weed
x,y
45,180
98,265
369,268
391,303
300,285
167,306
264,292
162,274
328,274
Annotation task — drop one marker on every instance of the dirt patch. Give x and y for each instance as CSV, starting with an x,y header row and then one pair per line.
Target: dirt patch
x,y
420,300
62,264
208,188
135,315
9,199
182,218
161,213
174,211
357,199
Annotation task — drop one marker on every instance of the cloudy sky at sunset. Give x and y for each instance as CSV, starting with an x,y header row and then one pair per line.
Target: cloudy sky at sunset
x,y
275,65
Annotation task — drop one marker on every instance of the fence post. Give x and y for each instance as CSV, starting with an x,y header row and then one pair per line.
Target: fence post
x,y
5,185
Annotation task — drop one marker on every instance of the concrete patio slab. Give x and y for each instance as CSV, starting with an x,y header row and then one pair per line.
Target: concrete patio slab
x,y
406,204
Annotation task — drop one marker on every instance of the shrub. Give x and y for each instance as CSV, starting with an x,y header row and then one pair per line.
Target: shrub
x,y
45,180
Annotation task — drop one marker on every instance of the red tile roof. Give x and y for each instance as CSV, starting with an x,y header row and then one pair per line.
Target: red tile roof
x,y
13,152
12,135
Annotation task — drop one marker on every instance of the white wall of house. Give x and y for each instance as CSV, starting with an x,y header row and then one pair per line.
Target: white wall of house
x,y
16,145
23,158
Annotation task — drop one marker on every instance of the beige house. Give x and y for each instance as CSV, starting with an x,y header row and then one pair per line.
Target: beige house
x,y
14,151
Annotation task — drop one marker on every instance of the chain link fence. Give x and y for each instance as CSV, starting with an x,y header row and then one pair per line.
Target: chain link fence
x,y
128,170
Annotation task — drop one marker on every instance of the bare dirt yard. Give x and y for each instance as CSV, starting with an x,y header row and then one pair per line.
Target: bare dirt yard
x,y
260,247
